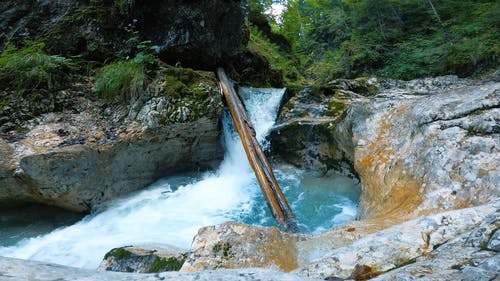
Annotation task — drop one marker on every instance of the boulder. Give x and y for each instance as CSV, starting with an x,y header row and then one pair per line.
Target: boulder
x,y
144,259
357,250
200,33
95,150
236,245
305,134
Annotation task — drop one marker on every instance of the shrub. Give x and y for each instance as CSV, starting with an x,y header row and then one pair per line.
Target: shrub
x,y
30,68
260,43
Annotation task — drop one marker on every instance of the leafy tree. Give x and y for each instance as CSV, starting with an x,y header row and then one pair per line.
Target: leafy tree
x,y
395,38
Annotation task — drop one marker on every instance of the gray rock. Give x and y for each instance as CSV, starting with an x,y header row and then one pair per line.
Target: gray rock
x,y
433,152
418,147
460,259
20,270
237,245
399,244
494,243
82,159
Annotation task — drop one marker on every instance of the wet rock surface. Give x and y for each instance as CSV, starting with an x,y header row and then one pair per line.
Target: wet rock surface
x,y
357,250
428,151
93,151
305,135
427,154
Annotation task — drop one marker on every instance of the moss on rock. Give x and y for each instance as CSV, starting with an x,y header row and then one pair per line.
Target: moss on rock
x,y
335,108
170,264
118,253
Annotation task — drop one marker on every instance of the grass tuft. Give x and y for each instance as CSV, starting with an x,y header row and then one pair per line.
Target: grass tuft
x,y
30,68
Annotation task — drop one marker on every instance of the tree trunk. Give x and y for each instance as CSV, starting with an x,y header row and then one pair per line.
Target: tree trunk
x,y
275,198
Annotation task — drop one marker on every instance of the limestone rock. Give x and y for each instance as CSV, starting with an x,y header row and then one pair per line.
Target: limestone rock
x,y
418,147
397,245
236,245
358,249
144,259
93,151
305,134
463,258
421,152
15,270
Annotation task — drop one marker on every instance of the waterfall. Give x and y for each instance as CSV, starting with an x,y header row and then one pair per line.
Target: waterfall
x,y
172,210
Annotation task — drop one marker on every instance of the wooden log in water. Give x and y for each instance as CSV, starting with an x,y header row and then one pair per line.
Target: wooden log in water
x,y
275,198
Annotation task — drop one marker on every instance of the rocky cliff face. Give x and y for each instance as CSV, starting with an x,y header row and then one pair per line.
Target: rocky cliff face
x,y
418,147
93,150
425,146
200,33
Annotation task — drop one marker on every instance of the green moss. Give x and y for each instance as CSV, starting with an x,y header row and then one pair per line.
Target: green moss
x,y
222,248
335,108
216,248
184,75
170,264
118,253
185,82
403,264
225,250
3,103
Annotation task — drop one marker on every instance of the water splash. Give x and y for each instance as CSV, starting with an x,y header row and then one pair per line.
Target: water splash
x,y
172,210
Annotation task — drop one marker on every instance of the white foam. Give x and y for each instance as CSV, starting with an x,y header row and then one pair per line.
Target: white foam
x,y
160,214
171,211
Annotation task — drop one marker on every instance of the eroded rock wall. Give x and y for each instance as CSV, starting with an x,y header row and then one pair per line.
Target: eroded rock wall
x,y
418,147
427,149
96,150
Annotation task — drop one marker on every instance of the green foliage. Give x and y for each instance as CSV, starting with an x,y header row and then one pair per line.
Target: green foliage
x,y
3,103
335,108
275,56
124,78
30,68
400,39
127,78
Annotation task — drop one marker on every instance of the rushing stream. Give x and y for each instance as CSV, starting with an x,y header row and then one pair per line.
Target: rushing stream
x,y
171,210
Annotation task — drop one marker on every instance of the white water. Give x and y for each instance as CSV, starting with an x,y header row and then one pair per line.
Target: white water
x,y
172,210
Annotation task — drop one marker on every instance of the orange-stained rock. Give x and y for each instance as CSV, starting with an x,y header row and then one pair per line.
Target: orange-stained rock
x,y
236,245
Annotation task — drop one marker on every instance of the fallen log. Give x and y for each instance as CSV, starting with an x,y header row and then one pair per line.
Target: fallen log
x,y
275,198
